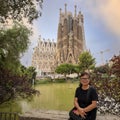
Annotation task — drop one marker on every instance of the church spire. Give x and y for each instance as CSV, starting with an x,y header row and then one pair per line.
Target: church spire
x,y
65,9
60,11
60,15
75,11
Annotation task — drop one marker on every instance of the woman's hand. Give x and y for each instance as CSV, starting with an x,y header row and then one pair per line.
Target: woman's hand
x,y
80,112
76,112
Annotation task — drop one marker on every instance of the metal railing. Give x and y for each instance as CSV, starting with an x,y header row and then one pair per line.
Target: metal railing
x,y
9,116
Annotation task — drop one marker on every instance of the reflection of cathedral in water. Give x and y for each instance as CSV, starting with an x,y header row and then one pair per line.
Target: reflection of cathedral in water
x,y
70,43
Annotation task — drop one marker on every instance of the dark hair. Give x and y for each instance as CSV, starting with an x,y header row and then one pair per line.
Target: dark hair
x,y
81,75
85,73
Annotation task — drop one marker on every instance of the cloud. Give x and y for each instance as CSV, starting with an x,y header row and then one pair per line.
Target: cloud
x,y
106,11
111,16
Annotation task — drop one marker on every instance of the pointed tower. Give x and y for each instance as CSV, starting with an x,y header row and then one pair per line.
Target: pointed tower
x,y
70,37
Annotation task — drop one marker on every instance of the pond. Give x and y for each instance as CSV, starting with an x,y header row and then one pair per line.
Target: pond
x,y
52,96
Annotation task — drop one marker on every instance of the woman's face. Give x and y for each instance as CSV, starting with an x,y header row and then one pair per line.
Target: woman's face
x,y
84,80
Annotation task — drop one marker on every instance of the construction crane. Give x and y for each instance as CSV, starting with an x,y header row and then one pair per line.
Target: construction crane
x,y
102,56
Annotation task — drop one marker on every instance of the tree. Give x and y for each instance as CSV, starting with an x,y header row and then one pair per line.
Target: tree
x,y
65,69
19,9
13,42
77,69
14,86
104,69
86,61
29,72
116,65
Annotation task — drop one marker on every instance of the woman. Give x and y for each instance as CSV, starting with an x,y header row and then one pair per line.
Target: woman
x,y
85,100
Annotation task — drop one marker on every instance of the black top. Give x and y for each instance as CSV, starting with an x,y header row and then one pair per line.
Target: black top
x,y
85,97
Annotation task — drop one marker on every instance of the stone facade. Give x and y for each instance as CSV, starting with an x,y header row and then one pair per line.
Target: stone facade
x,y
71,40
43,58
70,44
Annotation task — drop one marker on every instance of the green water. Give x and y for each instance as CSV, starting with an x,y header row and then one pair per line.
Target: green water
x,y
52,96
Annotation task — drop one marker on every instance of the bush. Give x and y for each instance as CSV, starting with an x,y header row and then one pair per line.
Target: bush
x,y
13,86
109,93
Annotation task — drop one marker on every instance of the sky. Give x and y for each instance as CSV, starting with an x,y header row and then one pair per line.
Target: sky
x,y
101,26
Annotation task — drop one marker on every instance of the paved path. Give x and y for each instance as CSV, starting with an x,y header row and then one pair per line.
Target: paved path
x,y
58,115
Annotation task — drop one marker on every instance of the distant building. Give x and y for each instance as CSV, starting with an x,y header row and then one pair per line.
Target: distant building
x,y
70,44
71,39
43,58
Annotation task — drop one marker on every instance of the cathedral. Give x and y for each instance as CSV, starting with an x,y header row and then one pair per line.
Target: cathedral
x,y
43,58
70,43
70,38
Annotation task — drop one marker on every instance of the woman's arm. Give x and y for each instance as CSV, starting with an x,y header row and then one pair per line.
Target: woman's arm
x,y
79,109
91,106
94,96
76,103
